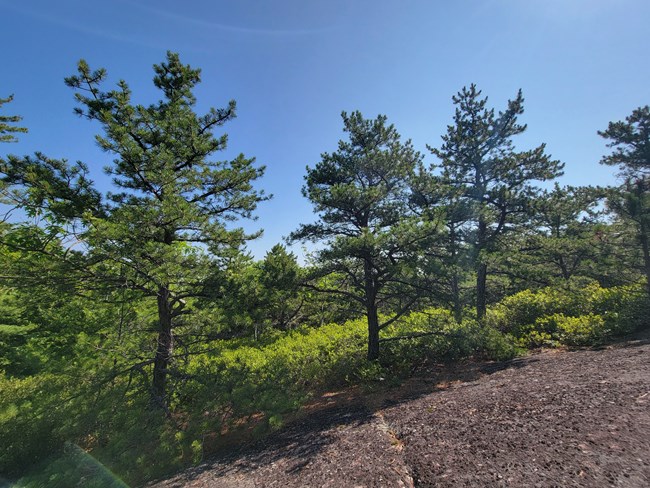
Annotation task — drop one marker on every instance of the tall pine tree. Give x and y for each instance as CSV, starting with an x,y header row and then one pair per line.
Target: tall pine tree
x,y
171,214
371,239
494,182
631,201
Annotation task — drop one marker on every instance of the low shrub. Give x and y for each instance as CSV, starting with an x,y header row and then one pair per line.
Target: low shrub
x,y
572,316
445,340
235,381
584,330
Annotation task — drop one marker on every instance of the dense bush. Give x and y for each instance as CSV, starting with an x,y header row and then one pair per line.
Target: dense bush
x,y
437,335
572,316
220,390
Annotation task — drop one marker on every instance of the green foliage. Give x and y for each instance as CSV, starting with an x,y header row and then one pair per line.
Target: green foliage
x,y
518,311
584,330
275,376
435,334
631,201
74,468
631,142
14,333
49,188
261,295
230,382
565,239
169,219
572,316
145,293
7,127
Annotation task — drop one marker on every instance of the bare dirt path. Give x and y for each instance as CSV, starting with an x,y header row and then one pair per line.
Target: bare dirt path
x,y
556,418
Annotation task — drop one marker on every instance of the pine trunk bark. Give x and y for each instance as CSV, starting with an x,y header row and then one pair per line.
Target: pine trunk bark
x,y
458,306
373,333
645,245
371,313
455,279
164,349
481,271
481,291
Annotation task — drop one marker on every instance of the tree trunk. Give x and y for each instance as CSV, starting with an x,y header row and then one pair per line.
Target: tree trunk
x,y
455,291
371,313
164,349
373,333
481,271
645,245
455,285
481,293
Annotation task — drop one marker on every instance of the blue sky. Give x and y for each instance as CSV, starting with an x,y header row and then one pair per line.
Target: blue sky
x,y
294,65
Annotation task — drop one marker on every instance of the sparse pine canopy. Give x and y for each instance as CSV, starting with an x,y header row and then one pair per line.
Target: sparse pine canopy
x,y
631,142
361,194
173,195
170,218
7,127
479,163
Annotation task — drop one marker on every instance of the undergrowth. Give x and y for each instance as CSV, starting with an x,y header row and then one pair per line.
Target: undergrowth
x,y
242,383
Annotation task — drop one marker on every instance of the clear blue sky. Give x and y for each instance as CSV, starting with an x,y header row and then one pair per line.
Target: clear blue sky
x,y
294,65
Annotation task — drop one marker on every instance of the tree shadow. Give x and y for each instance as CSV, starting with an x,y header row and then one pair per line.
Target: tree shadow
x,y
314,427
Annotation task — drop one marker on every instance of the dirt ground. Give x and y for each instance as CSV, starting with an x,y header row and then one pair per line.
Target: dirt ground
x,y
555,418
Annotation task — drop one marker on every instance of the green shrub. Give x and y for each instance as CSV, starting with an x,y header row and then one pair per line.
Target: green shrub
x,y
538,334
584,330
242,379
623,308
371,372
73,468
497,346
32,425
447,339
534,318
515,313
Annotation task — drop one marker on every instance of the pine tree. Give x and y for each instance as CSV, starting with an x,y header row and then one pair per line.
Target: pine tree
x,y
170,218
478,161
631,201
564,238
371,238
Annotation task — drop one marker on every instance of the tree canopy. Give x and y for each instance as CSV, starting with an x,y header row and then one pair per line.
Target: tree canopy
x,y
135,323
631,142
